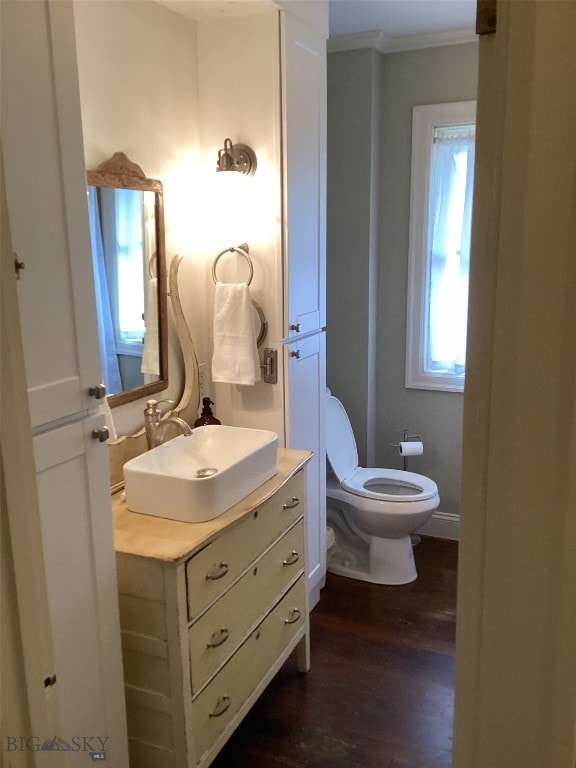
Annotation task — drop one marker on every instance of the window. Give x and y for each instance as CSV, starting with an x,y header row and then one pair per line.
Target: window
x,y
129,271
443,139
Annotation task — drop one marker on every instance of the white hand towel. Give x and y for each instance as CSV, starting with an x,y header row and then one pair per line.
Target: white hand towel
x,y
235,359
151,352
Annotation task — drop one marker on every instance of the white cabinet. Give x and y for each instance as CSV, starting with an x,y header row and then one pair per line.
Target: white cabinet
x,y
209,613
303,70
45,184
47,209
78,548
305,368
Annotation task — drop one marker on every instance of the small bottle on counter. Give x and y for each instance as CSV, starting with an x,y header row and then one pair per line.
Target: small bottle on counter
x,y
206,417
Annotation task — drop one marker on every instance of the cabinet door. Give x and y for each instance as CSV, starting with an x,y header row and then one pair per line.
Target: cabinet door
x,y
306,386
46,195
79,560
304,194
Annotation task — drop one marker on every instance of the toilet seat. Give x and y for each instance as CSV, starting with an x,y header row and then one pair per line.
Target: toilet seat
x,y
394,485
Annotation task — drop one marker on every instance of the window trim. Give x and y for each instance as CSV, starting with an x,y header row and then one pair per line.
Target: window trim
x,y
424,120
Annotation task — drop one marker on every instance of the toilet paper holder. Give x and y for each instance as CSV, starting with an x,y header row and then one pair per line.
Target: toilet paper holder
x,y
406,438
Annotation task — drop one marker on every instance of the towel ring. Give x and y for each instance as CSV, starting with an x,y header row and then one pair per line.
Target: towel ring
x,y
243,251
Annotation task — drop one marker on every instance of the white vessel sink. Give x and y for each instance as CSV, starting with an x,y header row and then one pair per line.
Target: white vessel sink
x,y
195,478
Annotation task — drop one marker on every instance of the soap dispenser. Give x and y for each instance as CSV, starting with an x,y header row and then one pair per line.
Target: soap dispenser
x,y
206,417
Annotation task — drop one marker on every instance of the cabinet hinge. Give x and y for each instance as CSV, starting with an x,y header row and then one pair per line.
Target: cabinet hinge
x,y
18,266
486,12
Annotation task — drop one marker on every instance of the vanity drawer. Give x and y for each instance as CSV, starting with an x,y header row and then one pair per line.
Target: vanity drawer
x,y
216,634
211,571
217,705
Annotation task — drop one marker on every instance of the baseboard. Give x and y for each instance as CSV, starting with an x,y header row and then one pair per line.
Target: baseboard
x,y
314,595
442,525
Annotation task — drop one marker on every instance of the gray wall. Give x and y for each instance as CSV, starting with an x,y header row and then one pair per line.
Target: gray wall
x,y
352,168
406,79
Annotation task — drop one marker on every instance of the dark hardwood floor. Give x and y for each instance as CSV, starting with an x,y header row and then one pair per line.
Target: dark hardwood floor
x,y
379,693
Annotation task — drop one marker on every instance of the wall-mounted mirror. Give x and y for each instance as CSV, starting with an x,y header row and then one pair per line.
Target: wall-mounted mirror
x,y
127,231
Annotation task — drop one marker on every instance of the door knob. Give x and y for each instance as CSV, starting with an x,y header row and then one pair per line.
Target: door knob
x,y
101,434
98,392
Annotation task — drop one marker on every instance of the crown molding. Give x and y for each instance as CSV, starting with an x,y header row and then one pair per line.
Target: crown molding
x,y
432,39
383,43
375,39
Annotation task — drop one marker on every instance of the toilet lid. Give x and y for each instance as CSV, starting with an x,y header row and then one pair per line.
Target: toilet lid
x,y
340,443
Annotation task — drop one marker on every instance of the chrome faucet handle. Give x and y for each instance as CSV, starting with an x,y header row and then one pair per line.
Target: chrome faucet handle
x,y
153,406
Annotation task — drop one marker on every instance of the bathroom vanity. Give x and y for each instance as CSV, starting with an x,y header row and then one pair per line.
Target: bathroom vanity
x,y
209,612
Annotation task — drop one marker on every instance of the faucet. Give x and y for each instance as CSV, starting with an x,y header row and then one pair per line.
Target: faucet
x,y
155,428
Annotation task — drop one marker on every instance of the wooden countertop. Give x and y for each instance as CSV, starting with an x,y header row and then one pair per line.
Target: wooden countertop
x,y
171,540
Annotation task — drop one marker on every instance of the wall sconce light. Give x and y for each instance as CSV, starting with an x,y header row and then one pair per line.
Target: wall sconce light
x,y
236,157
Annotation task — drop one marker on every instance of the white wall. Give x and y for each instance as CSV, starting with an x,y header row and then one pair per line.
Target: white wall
x,y
239,71
138,75
167,91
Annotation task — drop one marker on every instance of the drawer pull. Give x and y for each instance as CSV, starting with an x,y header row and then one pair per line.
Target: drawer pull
x,y
221,706
293,504
294,616
293,558
218,638
218,571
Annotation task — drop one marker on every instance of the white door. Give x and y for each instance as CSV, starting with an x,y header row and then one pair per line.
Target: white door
x,y
304,134
79,559
515,702
306,388
47,206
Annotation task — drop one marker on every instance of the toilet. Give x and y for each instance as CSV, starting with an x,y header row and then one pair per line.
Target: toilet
x,y
373,511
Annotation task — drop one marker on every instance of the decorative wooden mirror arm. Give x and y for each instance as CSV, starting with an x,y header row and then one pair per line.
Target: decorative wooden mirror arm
x,y
128,446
